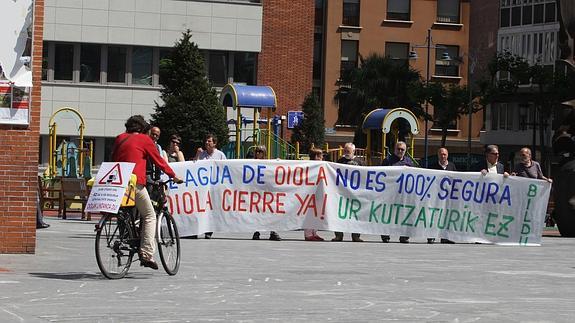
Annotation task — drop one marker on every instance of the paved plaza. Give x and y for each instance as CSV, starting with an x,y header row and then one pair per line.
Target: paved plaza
x,y
232,278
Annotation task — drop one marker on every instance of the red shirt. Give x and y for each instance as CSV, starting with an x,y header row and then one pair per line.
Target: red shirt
x,y
137,149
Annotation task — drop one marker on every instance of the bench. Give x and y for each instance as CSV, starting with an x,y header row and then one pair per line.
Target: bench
x,y
74,190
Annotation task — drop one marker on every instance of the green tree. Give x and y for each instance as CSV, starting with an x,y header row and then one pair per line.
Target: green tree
x,y
379,82
311,131
449,102
190,106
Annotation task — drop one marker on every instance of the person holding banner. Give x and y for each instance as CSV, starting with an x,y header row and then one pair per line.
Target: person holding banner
x,y
260,153
348,158
528,167
210,153
397,159
135,146
442,161
491,164
311,234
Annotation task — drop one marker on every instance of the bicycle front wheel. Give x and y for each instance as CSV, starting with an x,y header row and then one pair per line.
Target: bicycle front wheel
x,y
168,243
113,251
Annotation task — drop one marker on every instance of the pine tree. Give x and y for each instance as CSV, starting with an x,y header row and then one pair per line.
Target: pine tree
x,y
190,106
311,131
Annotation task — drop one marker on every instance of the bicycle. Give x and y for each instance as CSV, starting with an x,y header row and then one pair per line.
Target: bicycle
x,y
118,237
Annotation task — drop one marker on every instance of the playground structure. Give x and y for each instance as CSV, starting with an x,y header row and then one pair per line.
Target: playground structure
x,y
69,159
257,98
385,121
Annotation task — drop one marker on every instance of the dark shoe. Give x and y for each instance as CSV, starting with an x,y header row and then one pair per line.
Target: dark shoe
x,y
338,237
403,239
446,241
208,235
431,240
357,240
274,236
42,225
149,263
190,237
256,236
385,239
355,237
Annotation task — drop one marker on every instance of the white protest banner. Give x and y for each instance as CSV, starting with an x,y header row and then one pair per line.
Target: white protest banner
x,y
109,187
281,195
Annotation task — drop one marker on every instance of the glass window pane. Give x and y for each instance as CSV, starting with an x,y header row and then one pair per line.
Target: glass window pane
x,y
45,61
117,64
89,63
63,62
218,70
538,14
318,19
164,60
505,17
447,66
527,15
245,68
550,12
348,55
317,55
448,11
516,16
142,65
398,9
399,51
350,13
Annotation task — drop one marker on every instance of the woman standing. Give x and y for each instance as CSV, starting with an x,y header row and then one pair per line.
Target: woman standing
x,y
311,234
260,153
173,151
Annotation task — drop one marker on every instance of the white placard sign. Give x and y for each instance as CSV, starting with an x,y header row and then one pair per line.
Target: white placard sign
x,y
109,187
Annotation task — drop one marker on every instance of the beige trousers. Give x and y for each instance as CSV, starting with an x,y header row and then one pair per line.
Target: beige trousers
x,y
147,221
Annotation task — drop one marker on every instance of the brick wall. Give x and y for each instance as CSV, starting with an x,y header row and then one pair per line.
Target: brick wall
x,y
19,163
286,60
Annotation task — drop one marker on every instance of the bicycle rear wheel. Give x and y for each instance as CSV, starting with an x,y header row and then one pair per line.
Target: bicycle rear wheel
x,y
113,251
168,243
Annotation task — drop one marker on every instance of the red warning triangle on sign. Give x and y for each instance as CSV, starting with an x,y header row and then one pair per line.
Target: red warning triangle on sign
x,y
113,177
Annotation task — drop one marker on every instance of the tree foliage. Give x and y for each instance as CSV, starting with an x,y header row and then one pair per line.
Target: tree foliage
x,y
311,131
379,82
190,106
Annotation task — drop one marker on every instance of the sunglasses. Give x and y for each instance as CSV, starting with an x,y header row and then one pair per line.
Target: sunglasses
x,y
176,142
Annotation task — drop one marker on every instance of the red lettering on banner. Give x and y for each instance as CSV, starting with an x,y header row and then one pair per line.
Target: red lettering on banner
x,y
189,203
255,202
309,202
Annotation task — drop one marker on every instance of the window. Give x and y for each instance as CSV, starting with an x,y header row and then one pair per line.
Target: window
x,y
164,60
505,17
550,12
447,67
399,52
527,15
516,16
89,63
350,13
398,9
348,56
45,61
218,68
538,13
448,11
245,68
142,65
63,62
318,19
317,53
117,64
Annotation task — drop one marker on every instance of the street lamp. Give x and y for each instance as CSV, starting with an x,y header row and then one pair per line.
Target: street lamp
x,y
413,55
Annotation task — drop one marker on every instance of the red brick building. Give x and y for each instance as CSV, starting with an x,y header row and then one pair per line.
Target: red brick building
x,y
19,162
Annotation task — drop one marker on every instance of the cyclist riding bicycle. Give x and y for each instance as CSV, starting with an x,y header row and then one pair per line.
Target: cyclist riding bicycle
x,y
135,146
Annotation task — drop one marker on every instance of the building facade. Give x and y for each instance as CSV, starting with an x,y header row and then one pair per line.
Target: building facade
x,y
102,57
527,28
354,28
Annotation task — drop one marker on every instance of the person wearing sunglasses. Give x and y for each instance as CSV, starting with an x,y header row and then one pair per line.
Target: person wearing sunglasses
x,y
491,164
173,151
398,158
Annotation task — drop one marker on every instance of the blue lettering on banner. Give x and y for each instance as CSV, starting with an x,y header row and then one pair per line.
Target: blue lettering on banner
x,y
480,192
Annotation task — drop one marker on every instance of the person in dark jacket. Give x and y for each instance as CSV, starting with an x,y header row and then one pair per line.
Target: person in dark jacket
x,y
442,161
491,162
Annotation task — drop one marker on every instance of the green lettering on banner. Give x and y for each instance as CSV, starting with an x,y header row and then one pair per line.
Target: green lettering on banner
x,y
421,217
453,219
398,207
504,226
388,219
354,208
433,211
372,212
489,225
470,222
532,190
410,208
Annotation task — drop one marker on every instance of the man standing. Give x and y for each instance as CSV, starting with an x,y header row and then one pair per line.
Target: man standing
x,y
528,167
211,153
491,162
397,159
348,158
442,161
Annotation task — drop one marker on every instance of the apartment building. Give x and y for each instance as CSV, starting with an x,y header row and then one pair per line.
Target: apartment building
x,y
102,57
528,28
353,28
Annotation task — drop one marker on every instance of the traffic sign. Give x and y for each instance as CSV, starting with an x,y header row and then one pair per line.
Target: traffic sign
x,y
294,118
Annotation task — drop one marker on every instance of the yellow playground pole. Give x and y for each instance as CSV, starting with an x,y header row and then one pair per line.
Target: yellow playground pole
x,y
269,141
238,132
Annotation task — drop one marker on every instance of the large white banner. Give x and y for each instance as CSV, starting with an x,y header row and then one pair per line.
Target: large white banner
x,y
280,195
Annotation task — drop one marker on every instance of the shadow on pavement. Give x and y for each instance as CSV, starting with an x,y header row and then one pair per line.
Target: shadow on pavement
x,y
69,276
